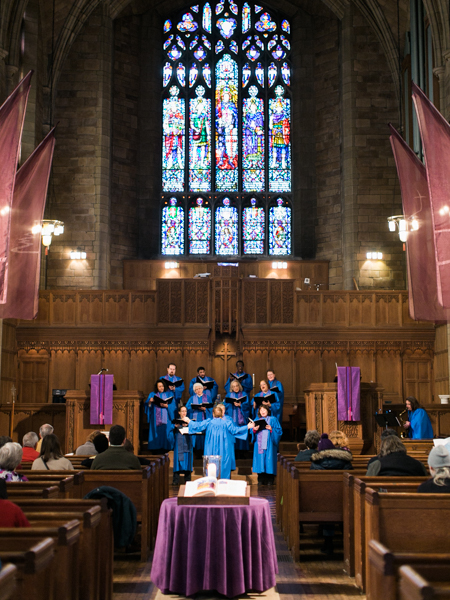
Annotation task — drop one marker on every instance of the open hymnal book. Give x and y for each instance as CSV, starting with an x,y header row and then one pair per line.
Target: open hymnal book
x,y
210,486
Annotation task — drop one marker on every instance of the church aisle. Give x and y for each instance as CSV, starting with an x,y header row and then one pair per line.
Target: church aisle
x,y
314,577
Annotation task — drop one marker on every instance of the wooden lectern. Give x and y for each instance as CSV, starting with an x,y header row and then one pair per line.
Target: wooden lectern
x,y
321,414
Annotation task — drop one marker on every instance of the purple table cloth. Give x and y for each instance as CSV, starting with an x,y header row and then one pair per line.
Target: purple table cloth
x,y
230,549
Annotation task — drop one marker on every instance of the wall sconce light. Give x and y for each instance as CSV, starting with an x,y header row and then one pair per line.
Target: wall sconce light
x,y
279,265
171,265
374,255
48,229
78,254
403,226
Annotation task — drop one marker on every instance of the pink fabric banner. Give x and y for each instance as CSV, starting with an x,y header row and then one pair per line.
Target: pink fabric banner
x,y
101,412
349,399
28,205
420,257
12,114
435,134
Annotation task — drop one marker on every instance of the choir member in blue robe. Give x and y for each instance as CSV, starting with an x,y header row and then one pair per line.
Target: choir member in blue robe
x,y
275,383
199,413
160,435
201,377
238,412
265,447
418,424
183,456
274,407
170,379
244,378
231,439
217,442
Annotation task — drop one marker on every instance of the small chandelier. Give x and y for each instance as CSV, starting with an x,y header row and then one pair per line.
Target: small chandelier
x,y
48,228
403,226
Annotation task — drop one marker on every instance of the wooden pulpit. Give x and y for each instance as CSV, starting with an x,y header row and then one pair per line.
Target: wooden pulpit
x,y
321,414
125,412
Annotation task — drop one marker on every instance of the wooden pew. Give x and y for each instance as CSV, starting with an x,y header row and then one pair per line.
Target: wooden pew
x,y
399,520
33,559
66,536
8,583
426,583
64,483
21,489
384,566
70,490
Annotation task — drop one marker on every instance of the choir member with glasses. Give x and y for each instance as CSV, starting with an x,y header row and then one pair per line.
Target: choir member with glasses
x,y
240,375
267,398
199,408
208,383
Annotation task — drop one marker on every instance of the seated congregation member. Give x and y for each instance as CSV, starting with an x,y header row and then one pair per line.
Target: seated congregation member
x,y
29,443
439,463
197,412
238,411
240,375
265,446
160,408
44,430
393,460
418,425
88,448
175,384
51,457
267,398
100,443
10,459
12,515
201,377
384,434
183,456
339,439
128,445
329,457
311,440
217,440
116,457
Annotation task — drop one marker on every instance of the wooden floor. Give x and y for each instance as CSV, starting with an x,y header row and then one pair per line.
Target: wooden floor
x,y
314,577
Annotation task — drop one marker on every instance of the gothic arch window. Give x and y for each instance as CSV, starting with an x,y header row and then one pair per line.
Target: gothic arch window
x,y
226,141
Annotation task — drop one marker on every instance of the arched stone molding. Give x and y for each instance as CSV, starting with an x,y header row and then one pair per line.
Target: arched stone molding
x,y
438,13
14,30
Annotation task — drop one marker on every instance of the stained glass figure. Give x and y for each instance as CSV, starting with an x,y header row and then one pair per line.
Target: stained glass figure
x,y
168,42
187,24
233,7
193,43
253,155
285,26
286,74
206,42
272,43
279,142
226,27
272,73
246,18
172,230
259,42
247,42
219,7
199,228
181,43
195,8
167,26
234,47
173,142
285,42
200,142
200,53
174,53
259,72
246,72
181,74
280,229
207,74
253,53
265,23
193,75
253,229
278,53
226,229
219,47
167,73
207,17
258,9
226,122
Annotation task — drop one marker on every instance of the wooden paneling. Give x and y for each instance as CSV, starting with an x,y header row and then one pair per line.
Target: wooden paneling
x,y
30,416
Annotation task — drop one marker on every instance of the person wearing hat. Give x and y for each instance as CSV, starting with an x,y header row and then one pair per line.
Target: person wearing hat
x,y
329,457
439,463
265,446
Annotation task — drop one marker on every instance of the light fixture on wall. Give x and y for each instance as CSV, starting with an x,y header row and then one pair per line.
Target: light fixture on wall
x,y
78,254
48,228
374,255
171,265
403,226
279,265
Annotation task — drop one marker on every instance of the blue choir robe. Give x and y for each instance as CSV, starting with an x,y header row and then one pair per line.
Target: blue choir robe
x,y
213,391
233,412
232,444
420,428
279,385
160,436
267,441
178,392
218,439
246,382
275,407
183,459
199,415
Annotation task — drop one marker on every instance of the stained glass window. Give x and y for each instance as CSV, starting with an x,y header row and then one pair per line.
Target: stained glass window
x,y
226,112
172,231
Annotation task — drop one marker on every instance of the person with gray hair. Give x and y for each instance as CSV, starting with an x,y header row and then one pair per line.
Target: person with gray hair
x,y
439,463
88,448
199,408
311,440
43,431
29,443
10,459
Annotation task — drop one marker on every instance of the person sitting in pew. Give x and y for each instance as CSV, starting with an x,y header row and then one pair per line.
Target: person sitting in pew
x,y
116,457
10,459
11,515
311,440
51,457
29,443
88,448
393,460
329,457
439,463
44,430
384,434
101,444
339,439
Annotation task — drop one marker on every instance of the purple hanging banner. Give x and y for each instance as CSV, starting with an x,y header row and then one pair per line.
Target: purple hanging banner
x,y
349,399
101,399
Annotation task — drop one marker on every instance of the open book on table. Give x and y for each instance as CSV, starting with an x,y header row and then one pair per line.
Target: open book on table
x,y
210,486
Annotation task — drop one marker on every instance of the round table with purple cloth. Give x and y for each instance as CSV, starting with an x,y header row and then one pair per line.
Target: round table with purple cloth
x,y
230,549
